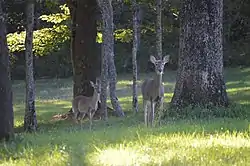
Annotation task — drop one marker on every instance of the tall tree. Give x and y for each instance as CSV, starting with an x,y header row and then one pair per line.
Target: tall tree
x,y
104,74
159,104
134,52
108,44
83,45
200,78
6,111
158,29
30,121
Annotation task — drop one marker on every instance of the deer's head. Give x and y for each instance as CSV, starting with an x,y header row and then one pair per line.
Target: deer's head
x,y
96,86
159,64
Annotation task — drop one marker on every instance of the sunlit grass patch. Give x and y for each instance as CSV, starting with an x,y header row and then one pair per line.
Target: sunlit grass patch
x,y
179,148
120,156
239,90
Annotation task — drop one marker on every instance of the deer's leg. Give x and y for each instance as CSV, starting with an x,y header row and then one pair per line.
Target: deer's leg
x,y
152,112
80,117
145,112
149,113
161,109
161,102
75,115
90,118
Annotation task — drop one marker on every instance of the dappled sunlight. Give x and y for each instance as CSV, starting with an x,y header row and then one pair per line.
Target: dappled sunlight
x,y
52,101
45,109
238,89
18,122
120,156
244,102
124,83
232,83
167,148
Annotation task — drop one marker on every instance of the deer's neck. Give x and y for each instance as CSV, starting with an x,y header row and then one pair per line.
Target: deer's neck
x,y
95,99
158,80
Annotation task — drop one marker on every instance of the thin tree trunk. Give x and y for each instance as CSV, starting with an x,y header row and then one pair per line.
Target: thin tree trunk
x,y
37,13
158,29
6,111
200,78
108,42
112,86
83,45
30,121
104,78
134,53
160,101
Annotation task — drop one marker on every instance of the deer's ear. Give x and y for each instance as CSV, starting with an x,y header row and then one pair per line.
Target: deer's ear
x,y
166,59
152,59
98,80
92,84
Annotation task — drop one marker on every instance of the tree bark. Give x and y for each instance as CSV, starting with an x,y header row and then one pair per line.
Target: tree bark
x,y
6,111
160,100
83,45
108,44
104,79
30,121
200,78
134,53
158,29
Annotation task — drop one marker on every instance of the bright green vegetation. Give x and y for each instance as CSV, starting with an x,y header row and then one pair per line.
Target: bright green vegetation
x,y
125,141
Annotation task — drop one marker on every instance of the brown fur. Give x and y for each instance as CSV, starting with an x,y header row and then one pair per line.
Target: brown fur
x,y
153,89
82,105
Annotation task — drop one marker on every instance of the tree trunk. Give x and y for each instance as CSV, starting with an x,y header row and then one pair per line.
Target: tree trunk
x,y
158,29
83,45
37,13
200,74
6,111
104,79
30,121
134,53
160,100
108,43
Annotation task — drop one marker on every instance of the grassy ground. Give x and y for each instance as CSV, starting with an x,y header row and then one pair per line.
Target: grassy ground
x,y
220,141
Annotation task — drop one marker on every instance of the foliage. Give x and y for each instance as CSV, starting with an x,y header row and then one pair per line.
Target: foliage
x,y
236,32
46,40
124,35
49,41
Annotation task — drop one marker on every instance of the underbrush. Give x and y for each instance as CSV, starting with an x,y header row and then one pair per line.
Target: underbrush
x,y
234,110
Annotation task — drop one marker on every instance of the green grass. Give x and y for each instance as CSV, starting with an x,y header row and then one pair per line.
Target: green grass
x,y
125,141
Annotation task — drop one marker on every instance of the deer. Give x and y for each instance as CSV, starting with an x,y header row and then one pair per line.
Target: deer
x,y
82,105
152,90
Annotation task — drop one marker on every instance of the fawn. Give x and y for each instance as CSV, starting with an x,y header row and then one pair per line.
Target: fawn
x,y
82,105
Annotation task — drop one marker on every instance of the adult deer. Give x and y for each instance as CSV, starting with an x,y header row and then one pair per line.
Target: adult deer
x,y
82,105
153,90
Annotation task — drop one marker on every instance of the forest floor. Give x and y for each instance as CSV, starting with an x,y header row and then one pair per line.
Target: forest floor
x,y
125,141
